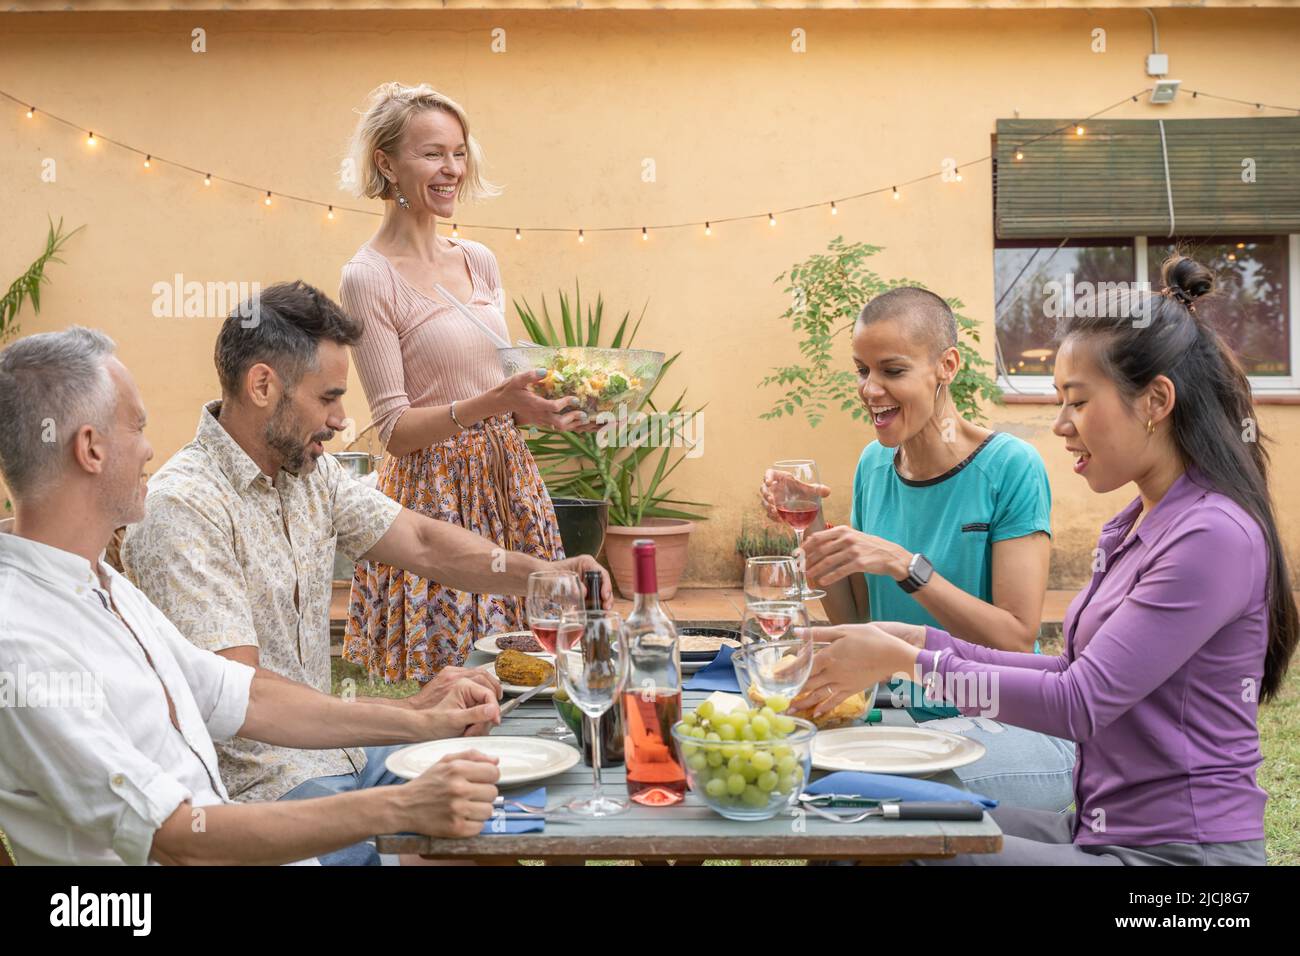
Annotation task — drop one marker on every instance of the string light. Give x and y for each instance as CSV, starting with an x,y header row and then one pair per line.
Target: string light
x,y
455,231
1078,126
957,171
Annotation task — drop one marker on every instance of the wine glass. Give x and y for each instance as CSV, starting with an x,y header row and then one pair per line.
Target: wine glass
x,y
771,577
591,665
776,651
551,595
798,506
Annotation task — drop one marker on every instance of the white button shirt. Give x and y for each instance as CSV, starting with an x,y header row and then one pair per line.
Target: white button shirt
x,y
90,761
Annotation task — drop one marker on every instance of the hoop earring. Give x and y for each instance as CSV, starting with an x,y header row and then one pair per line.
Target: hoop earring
x,y
1151,427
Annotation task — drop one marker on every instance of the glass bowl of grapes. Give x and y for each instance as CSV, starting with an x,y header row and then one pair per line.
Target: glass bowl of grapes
x,y
747,763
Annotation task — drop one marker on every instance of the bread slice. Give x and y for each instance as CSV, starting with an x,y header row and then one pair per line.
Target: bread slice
x,y
845,712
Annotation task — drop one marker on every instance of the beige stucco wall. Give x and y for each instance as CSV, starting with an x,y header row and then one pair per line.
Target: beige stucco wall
x,y
735,122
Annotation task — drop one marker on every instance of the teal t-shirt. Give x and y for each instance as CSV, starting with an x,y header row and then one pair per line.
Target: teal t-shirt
x,y
999,491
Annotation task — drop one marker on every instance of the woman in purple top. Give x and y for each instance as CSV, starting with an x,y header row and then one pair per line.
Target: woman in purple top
x,y
1187,623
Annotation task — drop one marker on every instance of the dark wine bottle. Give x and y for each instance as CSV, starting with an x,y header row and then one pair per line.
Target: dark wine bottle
x,y
611,721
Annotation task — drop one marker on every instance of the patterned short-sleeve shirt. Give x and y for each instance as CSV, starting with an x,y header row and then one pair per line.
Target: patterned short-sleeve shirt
x,y
236,559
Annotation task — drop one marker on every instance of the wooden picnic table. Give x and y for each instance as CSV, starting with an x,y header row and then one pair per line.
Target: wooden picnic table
x,y
690,832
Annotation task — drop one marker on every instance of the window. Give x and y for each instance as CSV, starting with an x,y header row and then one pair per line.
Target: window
x,y
1250,307
1146,179
1030,282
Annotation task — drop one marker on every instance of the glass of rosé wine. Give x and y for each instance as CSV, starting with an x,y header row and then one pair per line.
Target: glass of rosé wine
x,y
551,595
798,507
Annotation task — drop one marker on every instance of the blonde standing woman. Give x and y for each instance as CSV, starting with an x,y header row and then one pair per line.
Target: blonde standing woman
x,y
442,405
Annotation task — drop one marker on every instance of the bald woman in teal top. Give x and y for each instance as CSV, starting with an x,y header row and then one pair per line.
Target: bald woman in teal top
x,y
950,527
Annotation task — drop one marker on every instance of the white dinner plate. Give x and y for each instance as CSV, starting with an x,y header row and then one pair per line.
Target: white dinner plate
x,y
488,645
523,759
514,690
908,751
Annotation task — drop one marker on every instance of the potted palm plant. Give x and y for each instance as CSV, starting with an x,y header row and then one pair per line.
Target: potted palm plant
x,y
624,467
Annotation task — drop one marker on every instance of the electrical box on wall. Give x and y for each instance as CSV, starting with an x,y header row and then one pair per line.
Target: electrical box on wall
x,y
1157,64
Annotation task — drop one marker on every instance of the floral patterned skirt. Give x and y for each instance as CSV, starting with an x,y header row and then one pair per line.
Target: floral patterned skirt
x,y
404,627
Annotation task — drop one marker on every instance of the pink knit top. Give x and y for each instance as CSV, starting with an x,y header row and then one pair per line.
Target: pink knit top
x,y
416,350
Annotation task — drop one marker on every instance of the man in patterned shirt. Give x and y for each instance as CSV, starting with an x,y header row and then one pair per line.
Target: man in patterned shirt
x,y
241,526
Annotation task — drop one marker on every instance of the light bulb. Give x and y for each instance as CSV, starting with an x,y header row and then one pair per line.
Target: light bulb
x,y
708,229
581,238
517,235
834,210
1019,155
771,219
31,111
267,200
896,195
146,161
330,214
455,230
1078,131
90,140
207,179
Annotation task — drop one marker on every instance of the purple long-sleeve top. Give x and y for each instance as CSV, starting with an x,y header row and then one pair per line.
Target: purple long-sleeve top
x,y
1164,657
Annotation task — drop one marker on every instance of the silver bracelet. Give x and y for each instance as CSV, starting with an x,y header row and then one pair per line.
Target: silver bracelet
x,y
454,418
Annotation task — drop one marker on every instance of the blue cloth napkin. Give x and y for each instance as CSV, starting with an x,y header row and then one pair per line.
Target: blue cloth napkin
x,y
882,786
498,824
720,674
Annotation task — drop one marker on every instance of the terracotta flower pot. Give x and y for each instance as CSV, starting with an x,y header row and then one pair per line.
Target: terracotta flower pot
x,y
670,535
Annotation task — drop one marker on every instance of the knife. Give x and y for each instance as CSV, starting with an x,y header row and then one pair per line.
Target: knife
x,y
527,695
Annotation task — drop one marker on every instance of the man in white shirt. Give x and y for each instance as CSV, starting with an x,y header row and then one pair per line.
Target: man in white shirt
x,y
108,714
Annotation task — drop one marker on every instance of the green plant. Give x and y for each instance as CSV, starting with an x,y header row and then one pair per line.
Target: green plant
x,y
827,291
761,536
582,464
28,285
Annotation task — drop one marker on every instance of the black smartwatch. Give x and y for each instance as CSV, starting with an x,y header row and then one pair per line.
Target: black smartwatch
x,y
919,570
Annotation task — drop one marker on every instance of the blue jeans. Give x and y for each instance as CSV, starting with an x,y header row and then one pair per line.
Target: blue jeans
x,y
375,774
1022,768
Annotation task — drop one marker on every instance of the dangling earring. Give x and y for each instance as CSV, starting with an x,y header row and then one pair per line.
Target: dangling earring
x,y
401,200
1151,427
